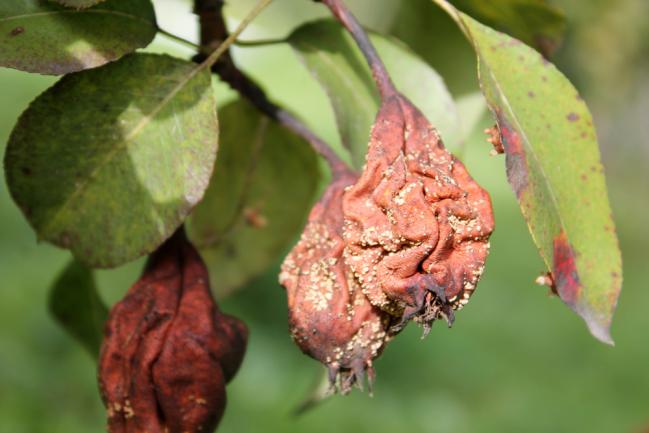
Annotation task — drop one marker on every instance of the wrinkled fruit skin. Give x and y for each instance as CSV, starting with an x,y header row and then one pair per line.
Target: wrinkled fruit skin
x,y
168,351
416,225
330,318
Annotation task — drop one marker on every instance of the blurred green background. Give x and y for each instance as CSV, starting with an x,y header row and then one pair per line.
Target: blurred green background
x,y
517,360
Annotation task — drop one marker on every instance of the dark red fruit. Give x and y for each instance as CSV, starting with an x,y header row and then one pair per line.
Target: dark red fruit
x,y
330,318
168,351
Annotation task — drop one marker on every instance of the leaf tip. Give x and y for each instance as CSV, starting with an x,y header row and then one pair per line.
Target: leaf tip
x,y
567,284
598,329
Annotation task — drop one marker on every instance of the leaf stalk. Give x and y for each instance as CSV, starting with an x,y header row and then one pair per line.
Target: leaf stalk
x,y
349,21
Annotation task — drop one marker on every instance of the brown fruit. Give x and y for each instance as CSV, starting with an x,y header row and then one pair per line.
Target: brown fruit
x,y
416,224
330,318
168,351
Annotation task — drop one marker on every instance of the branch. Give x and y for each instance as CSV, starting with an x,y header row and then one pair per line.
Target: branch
x,y
349,21
215,52
212,32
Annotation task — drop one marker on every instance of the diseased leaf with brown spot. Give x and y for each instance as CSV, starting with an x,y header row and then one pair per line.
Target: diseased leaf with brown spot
x,y
553,164
264,182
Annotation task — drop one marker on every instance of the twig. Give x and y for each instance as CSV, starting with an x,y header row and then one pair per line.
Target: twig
x,y
260,42
238,42
178,39
222,48
379,72
213,30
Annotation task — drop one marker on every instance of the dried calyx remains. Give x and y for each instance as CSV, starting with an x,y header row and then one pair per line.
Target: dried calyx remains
x,y
405,240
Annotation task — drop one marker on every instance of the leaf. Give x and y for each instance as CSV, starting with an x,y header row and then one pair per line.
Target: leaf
x,y
257,202
534,22
553,164
40,36
79,4
423,28
472,110
76,305
333,59
109,162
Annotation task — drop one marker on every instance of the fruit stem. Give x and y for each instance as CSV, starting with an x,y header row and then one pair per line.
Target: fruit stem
x,y
349,21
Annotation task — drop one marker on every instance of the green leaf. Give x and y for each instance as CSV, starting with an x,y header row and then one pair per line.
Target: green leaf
x,y
40,36
423,28
534,22
79,4
257,202
334,60
319,391
76,305
472,110
109,162
553,164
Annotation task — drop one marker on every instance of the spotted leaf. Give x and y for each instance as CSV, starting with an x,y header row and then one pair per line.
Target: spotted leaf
x,y
553,165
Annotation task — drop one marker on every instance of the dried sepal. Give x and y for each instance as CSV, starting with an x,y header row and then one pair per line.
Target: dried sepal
x,y
494,139
168,351
330,318
416,225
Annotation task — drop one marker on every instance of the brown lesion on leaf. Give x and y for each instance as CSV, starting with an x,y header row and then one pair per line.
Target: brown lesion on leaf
x,y
254,217
564,270
563,280
572,117
516,159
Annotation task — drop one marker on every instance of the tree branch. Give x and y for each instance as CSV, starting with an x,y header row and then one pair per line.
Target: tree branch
x,y
212,32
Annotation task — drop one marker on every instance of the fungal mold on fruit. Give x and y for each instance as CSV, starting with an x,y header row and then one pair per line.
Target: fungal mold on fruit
x,y
330,318
416,225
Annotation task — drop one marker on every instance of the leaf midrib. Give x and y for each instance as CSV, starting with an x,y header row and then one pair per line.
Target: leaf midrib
x,y
83,11
81,186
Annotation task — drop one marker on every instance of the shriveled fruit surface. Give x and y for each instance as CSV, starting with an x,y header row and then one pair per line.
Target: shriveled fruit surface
x,y
330,318
168,351
416,225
